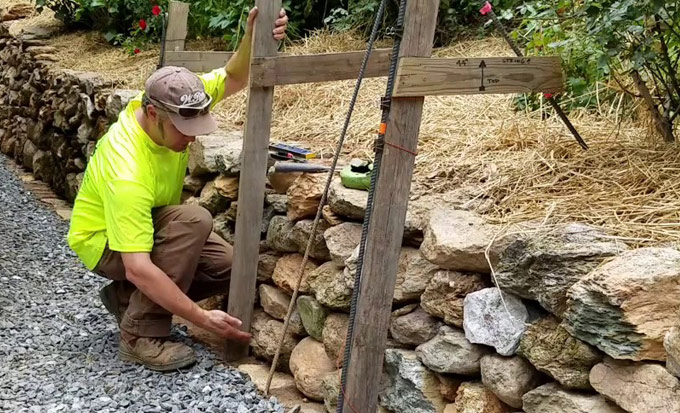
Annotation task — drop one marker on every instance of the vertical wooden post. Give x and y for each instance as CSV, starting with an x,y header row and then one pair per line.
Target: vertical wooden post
x,y
387,223
176,32
252,181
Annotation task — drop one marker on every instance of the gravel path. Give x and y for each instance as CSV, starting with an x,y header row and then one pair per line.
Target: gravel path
x,y
58,346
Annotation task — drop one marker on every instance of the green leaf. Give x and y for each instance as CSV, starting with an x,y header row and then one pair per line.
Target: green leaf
x,y
109,36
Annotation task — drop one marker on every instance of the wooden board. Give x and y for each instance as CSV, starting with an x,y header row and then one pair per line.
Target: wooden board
x,y
462,76
199,62
176,32
288,70
252,180
387,224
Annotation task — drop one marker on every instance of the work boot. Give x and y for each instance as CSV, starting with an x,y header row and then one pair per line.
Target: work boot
x,y
156,353
110,300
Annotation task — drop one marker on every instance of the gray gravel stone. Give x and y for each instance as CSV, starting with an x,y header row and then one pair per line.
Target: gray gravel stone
x,y
58,345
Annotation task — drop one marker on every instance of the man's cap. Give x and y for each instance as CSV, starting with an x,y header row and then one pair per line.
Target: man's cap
x,y
179,87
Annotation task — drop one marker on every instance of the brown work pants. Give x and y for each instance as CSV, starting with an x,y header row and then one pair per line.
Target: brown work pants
x,y
186,249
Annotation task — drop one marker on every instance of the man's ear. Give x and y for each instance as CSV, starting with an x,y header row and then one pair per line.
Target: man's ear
x,y
152,113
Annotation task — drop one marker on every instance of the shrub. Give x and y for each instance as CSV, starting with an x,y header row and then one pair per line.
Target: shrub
x,y
634,43
130,23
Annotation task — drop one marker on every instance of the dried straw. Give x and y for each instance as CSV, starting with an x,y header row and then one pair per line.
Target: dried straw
x,y
528,167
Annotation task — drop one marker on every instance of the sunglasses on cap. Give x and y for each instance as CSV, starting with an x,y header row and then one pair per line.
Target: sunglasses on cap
x,y
184,111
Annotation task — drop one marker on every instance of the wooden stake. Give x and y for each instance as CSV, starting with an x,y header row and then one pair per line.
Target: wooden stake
x,y
387,224
176,32
252,180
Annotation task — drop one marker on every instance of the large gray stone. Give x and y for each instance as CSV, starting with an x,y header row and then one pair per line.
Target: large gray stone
x,y
414,328
330,286
302,231
413,274
626,306
457,240
347,202
444,294
275,303
211,199
310,365
543,266
341,240
217,152
304,196
117,101
671,343
330,388
636,387
266,333
222,226
287,273
551,398
552,350
266,265
474,397
411,386
334,335
280,234
509,378
494,319
313,315
277,201
450,352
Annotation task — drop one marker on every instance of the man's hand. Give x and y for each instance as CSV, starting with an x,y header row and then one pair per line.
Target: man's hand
x,y
281,23
224,325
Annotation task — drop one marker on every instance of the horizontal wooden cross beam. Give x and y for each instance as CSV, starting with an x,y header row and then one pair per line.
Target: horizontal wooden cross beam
x,y
288,70
197,61
415,76
418,76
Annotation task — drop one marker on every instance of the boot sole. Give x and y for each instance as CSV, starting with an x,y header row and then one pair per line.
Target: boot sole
x,y
127,356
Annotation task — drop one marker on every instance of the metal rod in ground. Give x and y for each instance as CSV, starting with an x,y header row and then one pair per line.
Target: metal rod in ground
x,y
488,10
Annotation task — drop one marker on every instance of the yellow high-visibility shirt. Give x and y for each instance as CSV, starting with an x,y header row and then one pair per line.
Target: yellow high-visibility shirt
x,y
127,176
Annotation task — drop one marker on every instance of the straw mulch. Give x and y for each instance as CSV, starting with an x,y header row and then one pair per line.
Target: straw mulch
x,y
526,167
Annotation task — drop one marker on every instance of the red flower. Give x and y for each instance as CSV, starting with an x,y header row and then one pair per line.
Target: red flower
x,y
142,24
137,51
156,10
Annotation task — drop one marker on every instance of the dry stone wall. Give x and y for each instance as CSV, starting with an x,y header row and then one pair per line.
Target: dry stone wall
x,y
51,118
581,322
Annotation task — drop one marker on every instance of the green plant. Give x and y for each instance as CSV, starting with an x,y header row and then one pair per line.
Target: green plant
x,y
635,43
129,23
456,18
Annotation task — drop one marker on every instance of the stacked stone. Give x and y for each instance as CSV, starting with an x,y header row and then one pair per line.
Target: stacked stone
x,y
577,325
51,118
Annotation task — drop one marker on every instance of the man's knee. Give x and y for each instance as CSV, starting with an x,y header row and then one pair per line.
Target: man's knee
x,y
199,216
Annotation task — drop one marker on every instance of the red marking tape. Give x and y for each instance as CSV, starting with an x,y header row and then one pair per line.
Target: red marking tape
x,y
486,8
547,95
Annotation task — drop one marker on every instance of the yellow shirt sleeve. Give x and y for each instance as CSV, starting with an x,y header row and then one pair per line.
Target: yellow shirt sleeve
x,y
127,211
214,83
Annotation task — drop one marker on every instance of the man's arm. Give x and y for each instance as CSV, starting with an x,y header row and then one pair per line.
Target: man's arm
x,y
238,66
155,284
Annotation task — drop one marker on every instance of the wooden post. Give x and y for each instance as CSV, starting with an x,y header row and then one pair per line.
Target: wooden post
x,y
387,223
252,180
176,32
